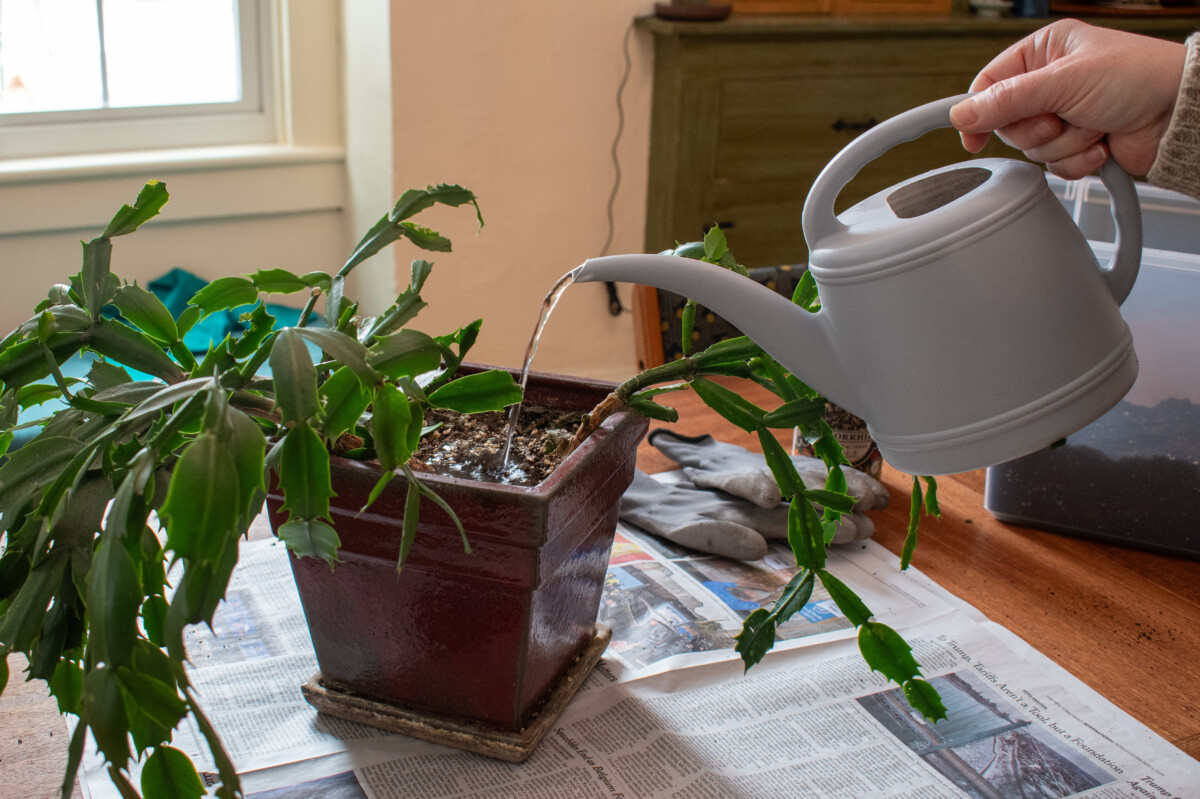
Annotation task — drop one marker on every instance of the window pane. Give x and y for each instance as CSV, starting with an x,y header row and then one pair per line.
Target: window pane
x,y
49,55
171,52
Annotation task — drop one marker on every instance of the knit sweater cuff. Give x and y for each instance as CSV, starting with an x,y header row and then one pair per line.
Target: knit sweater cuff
x,y
1177,166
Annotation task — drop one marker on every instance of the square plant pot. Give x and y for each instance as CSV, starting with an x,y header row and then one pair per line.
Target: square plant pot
x,y
479,651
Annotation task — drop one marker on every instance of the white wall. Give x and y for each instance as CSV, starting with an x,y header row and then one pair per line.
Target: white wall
x,y
517,102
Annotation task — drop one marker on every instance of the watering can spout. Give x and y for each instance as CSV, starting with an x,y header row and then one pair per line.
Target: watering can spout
x,y
800,341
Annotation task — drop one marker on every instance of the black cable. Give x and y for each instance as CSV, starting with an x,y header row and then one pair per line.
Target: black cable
x,y
614,300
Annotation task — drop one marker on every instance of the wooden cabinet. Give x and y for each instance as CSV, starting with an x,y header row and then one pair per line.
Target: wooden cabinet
x,y
747,111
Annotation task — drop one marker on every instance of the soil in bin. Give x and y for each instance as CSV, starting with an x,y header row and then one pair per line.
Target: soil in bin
x,y
472,445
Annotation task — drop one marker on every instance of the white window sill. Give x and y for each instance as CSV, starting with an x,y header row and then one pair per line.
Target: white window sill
x,y
73,193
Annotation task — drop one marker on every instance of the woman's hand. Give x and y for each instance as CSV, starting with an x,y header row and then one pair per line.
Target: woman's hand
x,y
1071,94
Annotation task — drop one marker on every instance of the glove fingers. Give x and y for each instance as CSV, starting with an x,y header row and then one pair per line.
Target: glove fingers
x,y
756,485
720,538
704,452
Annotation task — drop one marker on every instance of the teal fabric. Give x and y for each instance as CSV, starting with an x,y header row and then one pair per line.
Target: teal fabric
x,y
174,289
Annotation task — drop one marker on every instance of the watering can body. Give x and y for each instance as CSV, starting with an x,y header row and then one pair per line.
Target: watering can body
x,y
963,314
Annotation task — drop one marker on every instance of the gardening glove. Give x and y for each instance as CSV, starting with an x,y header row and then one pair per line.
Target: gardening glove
x,y
716,522
713,464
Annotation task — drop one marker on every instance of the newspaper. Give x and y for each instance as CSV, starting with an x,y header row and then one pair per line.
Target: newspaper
x,y
669,712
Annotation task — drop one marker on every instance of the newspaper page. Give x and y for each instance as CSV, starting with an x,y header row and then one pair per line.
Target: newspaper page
x,y
669,712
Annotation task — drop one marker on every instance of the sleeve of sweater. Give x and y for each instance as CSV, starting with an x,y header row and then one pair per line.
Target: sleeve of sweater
x,y
1177,166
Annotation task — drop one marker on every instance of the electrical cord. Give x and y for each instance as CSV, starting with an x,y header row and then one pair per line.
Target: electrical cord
x,y
614,301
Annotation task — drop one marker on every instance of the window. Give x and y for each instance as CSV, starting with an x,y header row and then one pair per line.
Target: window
x,y
79,76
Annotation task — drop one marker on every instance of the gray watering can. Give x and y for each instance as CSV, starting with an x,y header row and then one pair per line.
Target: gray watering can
x,y
963,314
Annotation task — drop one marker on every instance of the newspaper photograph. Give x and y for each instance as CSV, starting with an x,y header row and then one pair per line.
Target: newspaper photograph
x,y
670,712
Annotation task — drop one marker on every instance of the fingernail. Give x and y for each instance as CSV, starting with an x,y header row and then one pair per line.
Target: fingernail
x,y
1044,130
1095,155
964,114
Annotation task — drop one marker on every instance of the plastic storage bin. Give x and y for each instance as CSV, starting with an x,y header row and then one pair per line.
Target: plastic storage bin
x,y
1133,476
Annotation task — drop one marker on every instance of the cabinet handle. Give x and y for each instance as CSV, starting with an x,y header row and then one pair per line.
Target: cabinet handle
x,y
854,127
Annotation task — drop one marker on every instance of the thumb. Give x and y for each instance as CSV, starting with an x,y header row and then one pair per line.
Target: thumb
x,y
1003,103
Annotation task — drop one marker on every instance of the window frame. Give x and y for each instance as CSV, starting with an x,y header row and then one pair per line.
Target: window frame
x,y
252,120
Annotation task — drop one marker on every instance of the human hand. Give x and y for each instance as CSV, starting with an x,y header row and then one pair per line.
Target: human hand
x,y
1070,94
717,523
735,470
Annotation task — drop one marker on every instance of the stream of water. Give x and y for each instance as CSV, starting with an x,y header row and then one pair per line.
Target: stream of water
x,y
547,308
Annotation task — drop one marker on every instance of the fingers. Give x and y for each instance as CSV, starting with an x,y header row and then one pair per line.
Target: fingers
x,y
1078,165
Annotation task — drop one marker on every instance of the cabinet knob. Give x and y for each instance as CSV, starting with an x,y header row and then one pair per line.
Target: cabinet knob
x,y
854,127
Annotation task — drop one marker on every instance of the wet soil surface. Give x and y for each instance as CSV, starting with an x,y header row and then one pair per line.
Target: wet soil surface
x,y
472,445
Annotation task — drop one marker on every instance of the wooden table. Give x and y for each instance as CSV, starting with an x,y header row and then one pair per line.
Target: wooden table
x,y
1123,621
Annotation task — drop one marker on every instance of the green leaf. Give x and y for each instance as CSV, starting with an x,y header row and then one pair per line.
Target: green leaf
x,y
74,758
914,521
805,534
67,686
128,347
154,613
783,469
198,513
729,404
230,784
392,228
247,446
31,468
835,501
886,652
104,375
418,272
169,774
415,200
390,422
430,494
188,319
281,281
848,602
104,711
931,501
147,312
95,278
756,638
262,324
733,350
224,293
925,699
310,538
795,413
794,597
652,410
345,400
304,474
687,323
113,586
149,202
805,294
154,697
405,353
295,377
493,390
160,400
412,512
345,349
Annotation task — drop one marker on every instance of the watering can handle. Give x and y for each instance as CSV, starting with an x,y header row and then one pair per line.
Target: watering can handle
x,y
819,220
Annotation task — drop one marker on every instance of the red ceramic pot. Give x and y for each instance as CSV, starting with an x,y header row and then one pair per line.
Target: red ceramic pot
x,y
485,637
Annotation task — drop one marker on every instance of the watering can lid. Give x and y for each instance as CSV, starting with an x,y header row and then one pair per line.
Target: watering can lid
x,y
927,213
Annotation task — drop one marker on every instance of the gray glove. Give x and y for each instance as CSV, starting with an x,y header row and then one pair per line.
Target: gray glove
x,y
716,522
713,464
